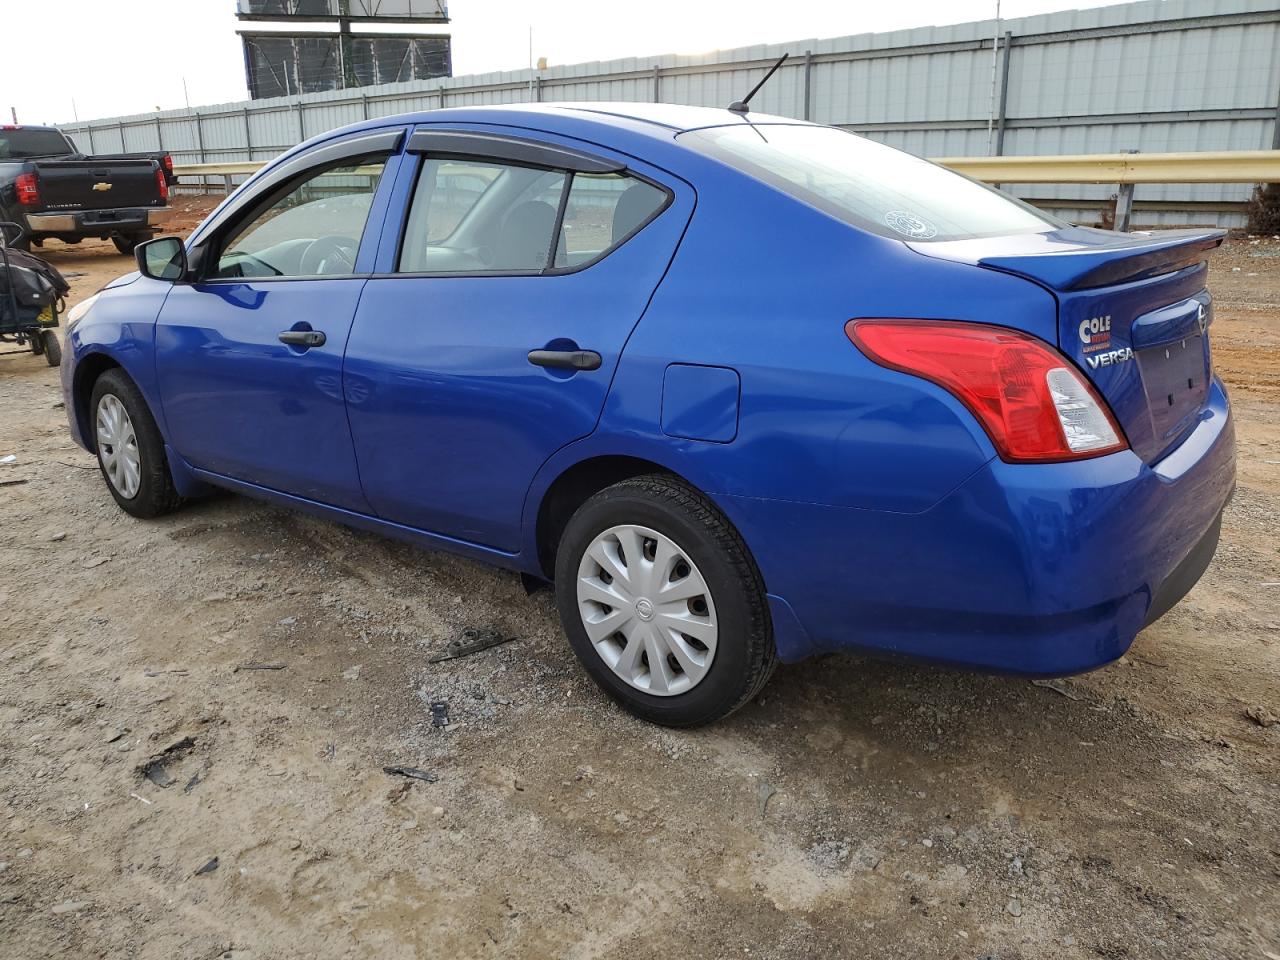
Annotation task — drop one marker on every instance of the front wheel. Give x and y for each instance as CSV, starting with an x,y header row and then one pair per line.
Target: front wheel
x,y
663,603
130,448
50,346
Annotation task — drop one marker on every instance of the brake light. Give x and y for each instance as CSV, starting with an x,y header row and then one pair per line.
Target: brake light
x,y
162,184
168,163
1032,402
28,190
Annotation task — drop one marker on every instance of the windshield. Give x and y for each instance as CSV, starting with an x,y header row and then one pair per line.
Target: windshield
x,y
868,184
24,144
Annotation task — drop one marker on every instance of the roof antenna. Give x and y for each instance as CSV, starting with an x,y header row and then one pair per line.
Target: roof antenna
x,y
740,106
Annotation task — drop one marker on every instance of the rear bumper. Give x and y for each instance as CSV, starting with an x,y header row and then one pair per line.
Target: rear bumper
x,y
95,223
1039,569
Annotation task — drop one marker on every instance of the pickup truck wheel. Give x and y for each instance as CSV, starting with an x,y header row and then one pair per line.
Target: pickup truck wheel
x,y
125,242
663,603
129,447
51,347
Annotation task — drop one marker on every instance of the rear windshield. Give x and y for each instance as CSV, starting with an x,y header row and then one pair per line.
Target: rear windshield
x,y
868,184
24,144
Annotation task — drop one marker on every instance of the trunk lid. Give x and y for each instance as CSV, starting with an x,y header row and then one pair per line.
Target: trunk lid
x,y
97,185
1133,315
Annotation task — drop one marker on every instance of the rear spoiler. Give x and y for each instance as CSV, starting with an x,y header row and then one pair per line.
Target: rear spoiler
x,y
1129,257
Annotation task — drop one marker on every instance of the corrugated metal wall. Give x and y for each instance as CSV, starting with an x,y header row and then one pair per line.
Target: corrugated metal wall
x,y
1155,76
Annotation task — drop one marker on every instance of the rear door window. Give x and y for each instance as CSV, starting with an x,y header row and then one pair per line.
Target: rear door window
x,y
868,184
474,216
492,217
604,210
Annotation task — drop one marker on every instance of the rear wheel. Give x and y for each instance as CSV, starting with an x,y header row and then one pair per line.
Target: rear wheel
x,y
663,604
126,242
51,347
130,448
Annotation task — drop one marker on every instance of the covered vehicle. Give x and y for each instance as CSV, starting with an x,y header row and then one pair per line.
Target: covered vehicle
x,y
31,298
744,388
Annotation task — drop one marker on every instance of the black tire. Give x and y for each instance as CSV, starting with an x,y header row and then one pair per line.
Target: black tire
x,y
37,344
126,243
51,347
156,494
745,655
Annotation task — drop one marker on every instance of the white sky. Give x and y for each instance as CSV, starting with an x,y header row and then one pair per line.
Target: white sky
x,y
129,56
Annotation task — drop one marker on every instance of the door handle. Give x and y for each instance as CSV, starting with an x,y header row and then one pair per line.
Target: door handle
x,y
303,338
566,359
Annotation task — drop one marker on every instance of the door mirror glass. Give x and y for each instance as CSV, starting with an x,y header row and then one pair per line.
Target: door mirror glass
x,y
164,258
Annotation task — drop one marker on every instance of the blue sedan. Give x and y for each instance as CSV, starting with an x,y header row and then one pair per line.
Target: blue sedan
x,y
744,389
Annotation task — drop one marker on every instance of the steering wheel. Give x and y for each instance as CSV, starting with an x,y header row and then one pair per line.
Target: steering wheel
x,y
328,255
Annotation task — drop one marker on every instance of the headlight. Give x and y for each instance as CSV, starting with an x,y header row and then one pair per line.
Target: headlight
x,y
76,313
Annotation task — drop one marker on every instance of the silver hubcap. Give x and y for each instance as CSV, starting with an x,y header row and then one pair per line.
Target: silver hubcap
x,y
647,610
118,447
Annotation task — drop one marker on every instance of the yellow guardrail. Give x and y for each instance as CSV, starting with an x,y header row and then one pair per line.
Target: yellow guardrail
x,y
1235,166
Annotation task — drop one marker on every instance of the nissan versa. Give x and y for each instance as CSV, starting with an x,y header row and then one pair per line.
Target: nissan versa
x,y
745,389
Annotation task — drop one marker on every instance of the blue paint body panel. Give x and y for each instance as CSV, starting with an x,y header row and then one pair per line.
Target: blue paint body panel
x,y
873,502
700,403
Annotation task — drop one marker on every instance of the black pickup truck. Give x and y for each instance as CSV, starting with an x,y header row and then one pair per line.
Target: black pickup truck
x,y
53,190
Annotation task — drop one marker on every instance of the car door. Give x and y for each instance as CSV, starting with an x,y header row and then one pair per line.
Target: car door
x,y
489,334
249,356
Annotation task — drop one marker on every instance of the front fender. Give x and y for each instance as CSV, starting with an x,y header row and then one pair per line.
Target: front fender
x,y
118,331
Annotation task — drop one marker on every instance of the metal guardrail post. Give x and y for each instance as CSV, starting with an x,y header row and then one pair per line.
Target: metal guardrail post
x,y
1124,204
1124,207
657,84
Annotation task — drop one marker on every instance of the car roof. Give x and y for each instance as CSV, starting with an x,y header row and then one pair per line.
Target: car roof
x,y
588,119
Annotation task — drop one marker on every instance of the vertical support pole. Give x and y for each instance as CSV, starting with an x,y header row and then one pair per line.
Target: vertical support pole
x,y
226,184
364,105
808,85
159,135
302,130
1275,132
120,133
248,135
537,89
200,138
1004,93
657,84
442,96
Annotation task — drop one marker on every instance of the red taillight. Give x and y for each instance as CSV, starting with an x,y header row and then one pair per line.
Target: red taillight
x,y
162,184
28,190
1033,403
168,163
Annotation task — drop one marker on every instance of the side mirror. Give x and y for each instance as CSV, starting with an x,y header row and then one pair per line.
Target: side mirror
x,y
164,258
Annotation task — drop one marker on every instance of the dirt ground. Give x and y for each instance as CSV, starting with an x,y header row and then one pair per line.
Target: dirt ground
x,y
858,809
